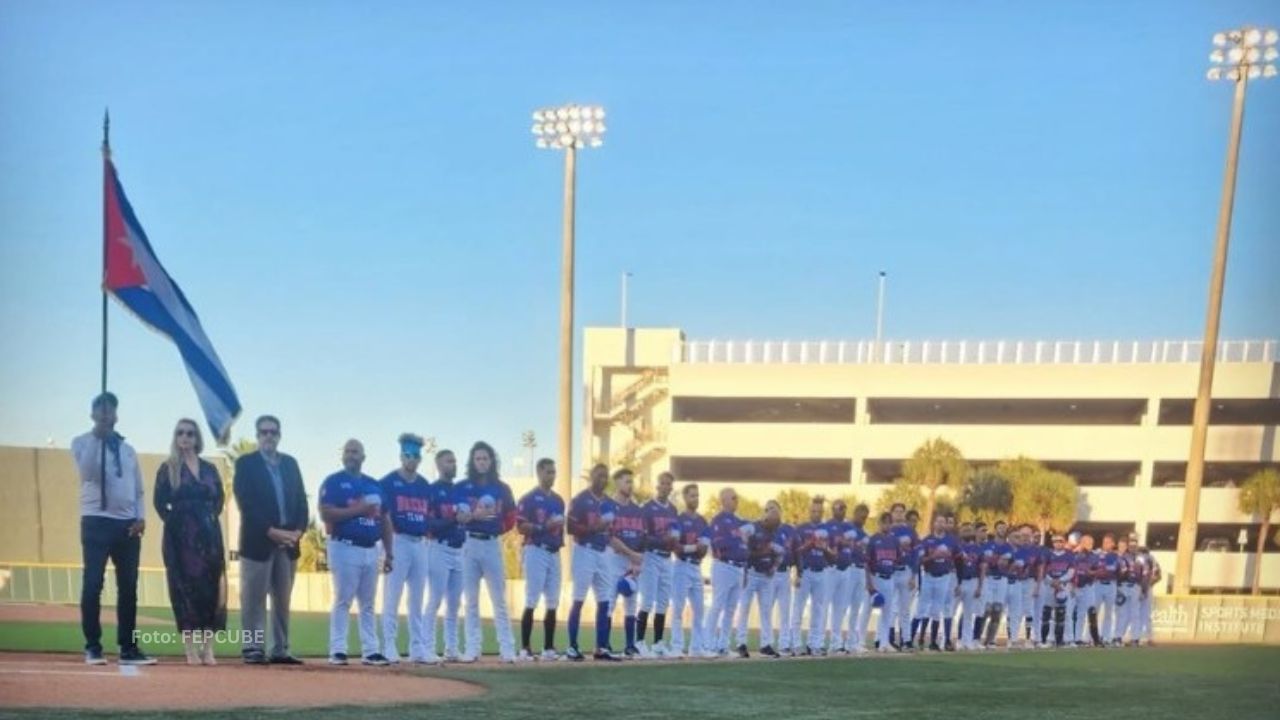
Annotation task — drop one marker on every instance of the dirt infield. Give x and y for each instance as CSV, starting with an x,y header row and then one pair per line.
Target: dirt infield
x,y
48,681
15,612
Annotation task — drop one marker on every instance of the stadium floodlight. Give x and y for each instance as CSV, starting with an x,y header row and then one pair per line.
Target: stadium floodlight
x,y
569,128
1240,55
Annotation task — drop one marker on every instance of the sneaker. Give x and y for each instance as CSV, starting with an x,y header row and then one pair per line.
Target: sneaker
x,y
93,656
549,655
643,650
467,659
338,659
885,649
631,652
674,654
805,651
908,647
709,655
859,649
842,650
509,659
768,651
658,651
428,659
524,656
254,657
284,660
606,655
392,659
452,656
820,652
574,654
134,656
949,647
376,659
742,651
933,647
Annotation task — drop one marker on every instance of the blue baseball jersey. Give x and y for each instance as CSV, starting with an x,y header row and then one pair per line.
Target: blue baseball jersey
x,y
628,525
938,555
442,523
1059,564
1085,564
694,530
586,510
883,552
1022,563
659,518
726,538
996,555
1127,571
811,541
785,537
408,502
342,489
844,554
907,542
1108,566
968,561
538,508
857,539
494,495
762,549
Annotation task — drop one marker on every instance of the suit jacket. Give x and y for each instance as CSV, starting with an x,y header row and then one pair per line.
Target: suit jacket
x,y
259,511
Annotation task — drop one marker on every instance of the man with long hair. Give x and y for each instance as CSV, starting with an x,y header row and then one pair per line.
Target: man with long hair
x,y
486,510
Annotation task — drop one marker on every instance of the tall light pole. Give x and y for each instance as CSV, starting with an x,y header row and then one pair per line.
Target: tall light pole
x,y
880,316
625,277
1239,56
569,128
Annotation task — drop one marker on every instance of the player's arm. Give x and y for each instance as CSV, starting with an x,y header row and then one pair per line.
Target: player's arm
x,y
524,518
388,531
334,514
622,549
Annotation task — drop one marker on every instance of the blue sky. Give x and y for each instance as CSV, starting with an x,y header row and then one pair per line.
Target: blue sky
x,y
350,196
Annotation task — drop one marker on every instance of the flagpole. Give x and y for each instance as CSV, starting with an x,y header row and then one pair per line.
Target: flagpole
x,y
106,158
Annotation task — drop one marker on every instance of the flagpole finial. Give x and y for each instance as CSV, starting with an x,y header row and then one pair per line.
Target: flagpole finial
x,y
106,133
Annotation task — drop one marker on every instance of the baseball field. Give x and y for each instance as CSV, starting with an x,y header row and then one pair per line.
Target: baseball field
x,y
40,656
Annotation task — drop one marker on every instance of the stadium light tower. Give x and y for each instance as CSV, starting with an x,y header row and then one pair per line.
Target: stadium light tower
x,y
1238,56
569,128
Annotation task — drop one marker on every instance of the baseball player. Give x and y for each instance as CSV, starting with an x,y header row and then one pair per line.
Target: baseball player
x,y
351,506
486,510
657,574
1126,590
952,596
883,551
780,590
407,496
814,554
996,555
1022,585
729,563
444,560
839,586
904,581
1151,575
540,519
1057,575
591,516
1086,603
764,555
695,540
626,553
938,554
969,587
859,605
1104,593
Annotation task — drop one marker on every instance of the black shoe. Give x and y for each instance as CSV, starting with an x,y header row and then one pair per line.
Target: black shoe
x,y
338,659
934,647
768,651
93,656
631,652
742,651
894,644
606,655
820,652
806,651
376,659
950,646
574,654
134,656
908,647
254,657
284,660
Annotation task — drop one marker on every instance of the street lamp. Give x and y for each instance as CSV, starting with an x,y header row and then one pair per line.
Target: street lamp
x,y
1238,56
569,128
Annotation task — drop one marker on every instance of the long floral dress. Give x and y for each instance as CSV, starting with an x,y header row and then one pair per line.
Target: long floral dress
x,y
194,555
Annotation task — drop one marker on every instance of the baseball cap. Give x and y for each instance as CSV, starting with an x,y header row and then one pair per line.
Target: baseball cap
x,y
105,398
626,586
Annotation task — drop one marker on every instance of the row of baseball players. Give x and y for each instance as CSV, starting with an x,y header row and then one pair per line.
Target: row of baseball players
x,y
440,541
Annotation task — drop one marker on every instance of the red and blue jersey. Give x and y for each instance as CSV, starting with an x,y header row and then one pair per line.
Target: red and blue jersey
x,y
1108,567
1022,563
968,561
1085,564
857,539
493,495
694,530
726,538
659,517
1128,571
907,542
844,554
442,522
343,489
408,501
586,510
1059,564
812,539
996,555
785,537
761,551
628,525
938,555
538,507
884,552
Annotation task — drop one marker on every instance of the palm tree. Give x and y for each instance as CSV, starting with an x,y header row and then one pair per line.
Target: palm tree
x,y
1260,496
1042,497
935,465
987,495
529,442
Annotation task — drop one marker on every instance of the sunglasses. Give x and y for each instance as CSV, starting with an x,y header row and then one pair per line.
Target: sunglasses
x,y
184,433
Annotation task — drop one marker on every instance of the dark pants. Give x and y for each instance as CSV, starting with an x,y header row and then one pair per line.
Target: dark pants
x,y
102,539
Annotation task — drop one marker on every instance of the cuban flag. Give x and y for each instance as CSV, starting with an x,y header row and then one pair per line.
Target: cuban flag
x,y
134,275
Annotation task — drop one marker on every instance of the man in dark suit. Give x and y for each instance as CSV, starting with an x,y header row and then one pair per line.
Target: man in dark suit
x,y
273,517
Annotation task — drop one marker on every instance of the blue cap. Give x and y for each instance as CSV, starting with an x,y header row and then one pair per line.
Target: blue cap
x,y
626,586
877,600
